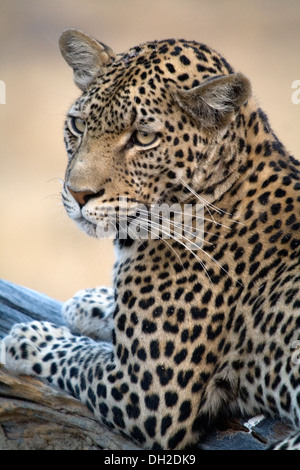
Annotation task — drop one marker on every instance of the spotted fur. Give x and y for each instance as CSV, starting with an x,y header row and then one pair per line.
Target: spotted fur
x,y
184,334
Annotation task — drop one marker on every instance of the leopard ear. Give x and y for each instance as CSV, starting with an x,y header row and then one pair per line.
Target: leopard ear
x,y
85,55
215,102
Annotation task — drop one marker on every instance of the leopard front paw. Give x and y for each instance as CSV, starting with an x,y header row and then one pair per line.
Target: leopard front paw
x,y
29,346
89,313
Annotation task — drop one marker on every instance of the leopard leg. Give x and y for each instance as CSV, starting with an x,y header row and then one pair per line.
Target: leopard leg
x,y
100,375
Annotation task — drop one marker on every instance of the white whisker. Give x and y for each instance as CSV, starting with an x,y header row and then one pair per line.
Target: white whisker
x,y
201,199
186,247
209,205
178,225
191,251
163,239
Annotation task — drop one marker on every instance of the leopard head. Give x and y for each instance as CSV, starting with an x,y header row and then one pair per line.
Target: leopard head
x,y
150,123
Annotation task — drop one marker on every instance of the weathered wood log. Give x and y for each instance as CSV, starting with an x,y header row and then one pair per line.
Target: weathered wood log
x,y
34,415
19,304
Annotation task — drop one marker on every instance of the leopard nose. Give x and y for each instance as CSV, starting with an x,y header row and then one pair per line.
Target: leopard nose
x,y
81,197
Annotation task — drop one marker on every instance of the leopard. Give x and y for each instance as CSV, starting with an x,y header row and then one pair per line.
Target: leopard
x,y
201,321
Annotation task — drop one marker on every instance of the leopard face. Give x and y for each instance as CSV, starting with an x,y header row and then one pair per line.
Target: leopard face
x,y
151,122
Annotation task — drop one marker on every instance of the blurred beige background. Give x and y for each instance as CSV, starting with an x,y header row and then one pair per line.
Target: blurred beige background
x,y
39,246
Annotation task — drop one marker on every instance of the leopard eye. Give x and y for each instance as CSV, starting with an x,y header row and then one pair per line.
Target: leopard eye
x,y
78,125
143,139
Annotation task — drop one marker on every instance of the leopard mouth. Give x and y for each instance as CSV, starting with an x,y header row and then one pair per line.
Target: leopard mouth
x,y
122,219
86,226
